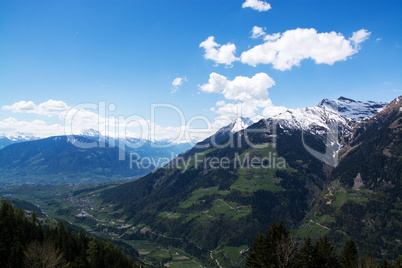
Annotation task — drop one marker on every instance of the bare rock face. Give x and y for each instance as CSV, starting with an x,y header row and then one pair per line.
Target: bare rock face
x,y
358,182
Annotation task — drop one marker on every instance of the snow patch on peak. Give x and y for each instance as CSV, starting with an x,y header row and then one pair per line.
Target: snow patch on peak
x,y
18,136
308,118
342,113
15,137
398,99
241,123
351,109
346,100
90,133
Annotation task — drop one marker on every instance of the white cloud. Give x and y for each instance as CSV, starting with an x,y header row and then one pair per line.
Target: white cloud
x,y
249,94
359,37
49,108
257,5
38,128
177,82
288,49
120,129
272,37
77,120
241,88
136,126
216,83
378,39
220,54
250,109
80,119
273,110
84,116
248,89
257,32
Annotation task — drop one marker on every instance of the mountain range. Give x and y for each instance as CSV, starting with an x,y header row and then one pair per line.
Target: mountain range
x,y
214,197
218,205
9,139
25,158
58,160
362,199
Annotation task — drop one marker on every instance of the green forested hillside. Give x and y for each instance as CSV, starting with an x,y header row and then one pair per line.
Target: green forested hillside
x,y
278,248
369,213
211,209
24,242
56,160
216,208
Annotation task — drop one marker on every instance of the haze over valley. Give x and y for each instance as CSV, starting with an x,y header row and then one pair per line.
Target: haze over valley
x,y
242,133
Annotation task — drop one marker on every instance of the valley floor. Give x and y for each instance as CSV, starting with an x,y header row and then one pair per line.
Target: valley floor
x,y
80,206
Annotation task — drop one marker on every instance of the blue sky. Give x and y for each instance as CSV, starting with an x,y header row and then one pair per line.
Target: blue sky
x,y
128,53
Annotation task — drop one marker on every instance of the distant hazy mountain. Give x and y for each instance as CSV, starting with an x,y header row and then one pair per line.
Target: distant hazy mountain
x,y
6,140
58,160
158,150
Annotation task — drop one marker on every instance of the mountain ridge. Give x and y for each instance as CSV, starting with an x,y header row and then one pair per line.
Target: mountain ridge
x,y
261,196
59,160
362,201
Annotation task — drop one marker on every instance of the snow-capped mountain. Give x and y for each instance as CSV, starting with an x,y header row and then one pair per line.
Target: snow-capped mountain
x,y
310,118
155,150
90,133
332,121
15,137
342,112
222,134
351,109
239,124
98,136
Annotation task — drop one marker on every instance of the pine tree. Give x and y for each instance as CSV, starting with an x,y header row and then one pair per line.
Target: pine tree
x,y
384,264
368,262
22,245
324,254
349,257
307,252
259,254
398,262
274,249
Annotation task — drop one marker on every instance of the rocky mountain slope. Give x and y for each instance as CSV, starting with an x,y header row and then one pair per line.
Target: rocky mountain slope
x,y
362,201
218,204
351,109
